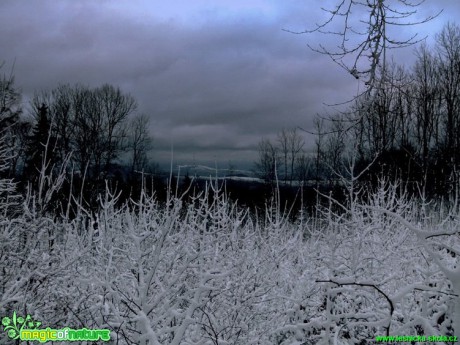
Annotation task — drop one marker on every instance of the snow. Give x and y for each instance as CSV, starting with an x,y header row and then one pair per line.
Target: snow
x,y
184,275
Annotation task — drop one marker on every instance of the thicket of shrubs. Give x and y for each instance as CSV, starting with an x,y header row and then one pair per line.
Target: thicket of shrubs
x,y
207,271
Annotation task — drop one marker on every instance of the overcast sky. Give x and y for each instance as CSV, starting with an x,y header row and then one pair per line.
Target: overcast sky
x,y
214,76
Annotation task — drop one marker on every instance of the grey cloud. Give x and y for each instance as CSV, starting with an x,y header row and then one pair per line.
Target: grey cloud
x,y
213,82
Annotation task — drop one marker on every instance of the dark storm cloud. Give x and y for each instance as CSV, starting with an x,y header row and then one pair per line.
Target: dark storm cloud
x,y
214,79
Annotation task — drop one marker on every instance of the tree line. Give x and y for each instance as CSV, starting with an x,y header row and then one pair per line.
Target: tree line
x,y
74,141
406,128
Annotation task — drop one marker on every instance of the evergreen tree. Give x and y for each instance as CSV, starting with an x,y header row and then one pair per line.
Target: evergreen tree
x,y
40,152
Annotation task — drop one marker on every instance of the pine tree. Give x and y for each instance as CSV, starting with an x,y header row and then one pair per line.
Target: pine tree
x,y
41,147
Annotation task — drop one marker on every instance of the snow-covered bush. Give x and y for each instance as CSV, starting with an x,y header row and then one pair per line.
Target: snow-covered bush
x,y
204,271
9,199
378,269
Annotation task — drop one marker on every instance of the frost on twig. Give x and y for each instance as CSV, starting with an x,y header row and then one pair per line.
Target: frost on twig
x,y
9,199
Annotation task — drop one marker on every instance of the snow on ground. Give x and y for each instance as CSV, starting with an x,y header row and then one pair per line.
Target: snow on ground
x,y
210,273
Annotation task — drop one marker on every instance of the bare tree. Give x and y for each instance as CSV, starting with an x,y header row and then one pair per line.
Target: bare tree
x,y
283,141
303,165
63,112
319,143
380,114
448,46
139,142
296,144
105,109
10,101
425,94
362,43
291,144
89,123
268,163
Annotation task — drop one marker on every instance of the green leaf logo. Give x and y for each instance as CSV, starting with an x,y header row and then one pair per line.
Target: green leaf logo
x,y
6,321
13,326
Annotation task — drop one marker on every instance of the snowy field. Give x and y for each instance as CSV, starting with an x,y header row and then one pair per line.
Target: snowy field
x,y
208,272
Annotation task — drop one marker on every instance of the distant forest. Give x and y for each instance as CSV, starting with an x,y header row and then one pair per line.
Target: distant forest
x,y
77,141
